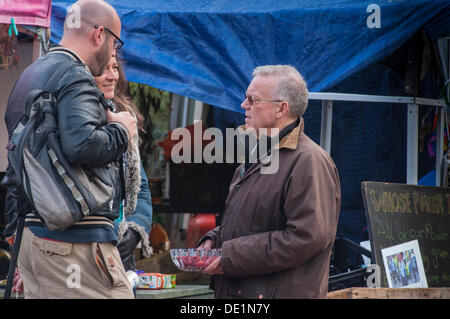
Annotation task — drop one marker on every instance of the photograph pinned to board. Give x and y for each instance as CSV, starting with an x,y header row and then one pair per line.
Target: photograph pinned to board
x,y
404,266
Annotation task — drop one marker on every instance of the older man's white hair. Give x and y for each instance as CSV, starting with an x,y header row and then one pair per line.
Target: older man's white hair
x,y
291,86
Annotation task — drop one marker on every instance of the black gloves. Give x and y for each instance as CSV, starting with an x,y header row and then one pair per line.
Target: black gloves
x,y
127,247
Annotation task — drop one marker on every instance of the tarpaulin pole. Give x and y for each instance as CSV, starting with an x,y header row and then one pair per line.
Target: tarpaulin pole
x,y
326,125
412,144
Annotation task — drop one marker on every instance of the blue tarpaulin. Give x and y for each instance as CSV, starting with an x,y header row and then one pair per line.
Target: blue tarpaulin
x,y
207,49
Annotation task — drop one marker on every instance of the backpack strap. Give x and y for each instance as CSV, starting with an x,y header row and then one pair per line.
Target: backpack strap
x,y
15,254
69,183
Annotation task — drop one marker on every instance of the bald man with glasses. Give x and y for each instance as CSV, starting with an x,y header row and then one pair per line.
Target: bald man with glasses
x,y
81,261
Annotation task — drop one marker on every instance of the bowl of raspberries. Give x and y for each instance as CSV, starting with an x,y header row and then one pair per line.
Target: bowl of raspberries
x,y
191,259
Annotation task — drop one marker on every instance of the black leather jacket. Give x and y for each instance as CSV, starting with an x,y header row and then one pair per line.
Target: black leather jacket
x,y
85,135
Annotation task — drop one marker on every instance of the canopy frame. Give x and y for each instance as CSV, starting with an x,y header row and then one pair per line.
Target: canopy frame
x,y
412,119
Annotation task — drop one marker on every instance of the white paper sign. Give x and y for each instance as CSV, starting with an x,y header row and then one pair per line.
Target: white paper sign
x,y
404,266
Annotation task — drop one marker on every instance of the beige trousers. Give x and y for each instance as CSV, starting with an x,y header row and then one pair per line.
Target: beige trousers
x,y
52,269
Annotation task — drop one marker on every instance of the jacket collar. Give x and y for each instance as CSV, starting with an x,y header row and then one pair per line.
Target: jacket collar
x,y
61,49
290,141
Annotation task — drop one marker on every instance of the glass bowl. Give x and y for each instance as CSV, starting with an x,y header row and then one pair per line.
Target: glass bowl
x,y
191,259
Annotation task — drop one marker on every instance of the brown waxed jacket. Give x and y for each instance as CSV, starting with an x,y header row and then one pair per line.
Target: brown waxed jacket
x,y
278,230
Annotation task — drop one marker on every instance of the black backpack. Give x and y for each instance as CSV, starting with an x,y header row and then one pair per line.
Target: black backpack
x,y
60,193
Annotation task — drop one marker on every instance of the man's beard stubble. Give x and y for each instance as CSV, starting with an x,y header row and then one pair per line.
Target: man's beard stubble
x,y
102,58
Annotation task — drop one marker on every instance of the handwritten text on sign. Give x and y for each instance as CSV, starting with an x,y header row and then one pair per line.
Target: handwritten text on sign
x,y
415,203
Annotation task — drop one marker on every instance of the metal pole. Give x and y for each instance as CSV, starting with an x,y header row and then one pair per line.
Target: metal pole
x,y
440,146
412,142
350,97
185,111
326,125
443,48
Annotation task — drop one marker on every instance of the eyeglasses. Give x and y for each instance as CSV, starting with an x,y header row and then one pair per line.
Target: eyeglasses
x,y
253,100
118,43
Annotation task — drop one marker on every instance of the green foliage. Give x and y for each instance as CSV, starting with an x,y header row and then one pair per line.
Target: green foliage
x,y
154,107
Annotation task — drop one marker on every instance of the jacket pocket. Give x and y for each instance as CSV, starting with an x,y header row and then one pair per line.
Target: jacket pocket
x,y
106,263
251,288
50,247
50,201
101,189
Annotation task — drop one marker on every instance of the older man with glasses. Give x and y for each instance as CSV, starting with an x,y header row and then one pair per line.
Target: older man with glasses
x,y
277,229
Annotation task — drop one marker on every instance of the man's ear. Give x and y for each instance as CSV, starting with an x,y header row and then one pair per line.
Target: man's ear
x,y
283,110
97,36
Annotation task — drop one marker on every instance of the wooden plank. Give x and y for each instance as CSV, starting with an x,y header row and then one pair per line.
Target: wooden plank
x,y
391,293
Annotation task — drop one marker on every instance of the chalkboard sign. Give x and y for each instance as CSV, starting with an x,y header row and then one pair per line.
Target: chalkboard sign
x,y
399,213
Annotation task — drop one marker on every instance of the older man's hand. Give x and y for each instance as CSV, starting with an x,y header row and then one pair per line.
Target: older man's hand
x,y
215,268
207,244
